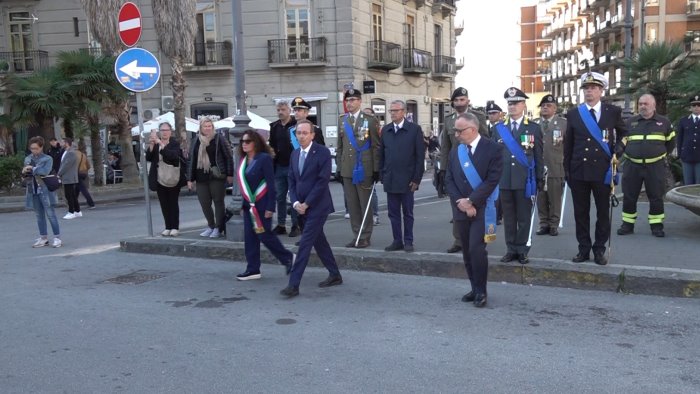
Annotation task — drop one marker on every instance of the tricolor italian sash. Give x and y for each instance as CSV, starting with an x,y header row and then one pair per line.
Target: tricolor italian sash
x,y
250,197
521,157
358,173
474,181
293,137
597,134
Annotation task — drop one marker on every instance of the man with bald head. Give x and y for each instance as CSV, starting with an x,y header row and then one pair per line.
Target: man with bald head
x,y
650,140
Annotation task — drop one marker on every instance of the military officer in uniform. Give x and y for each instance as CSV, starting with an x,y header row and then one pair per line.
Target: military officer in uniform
x,y
689,143
522,175
650,139
593,139
357,157
549,201
301,112
448,140
495,115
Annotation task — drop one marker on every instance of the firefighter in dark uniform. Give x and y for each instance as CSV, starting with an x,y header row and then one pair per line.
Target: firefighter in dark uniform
x,y
688,135
650,139
523,173
448,140
549,201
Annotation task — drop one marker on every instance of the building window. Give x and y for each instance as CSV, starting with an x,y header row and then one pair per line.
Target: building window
x,y
206,34
410,31
412,111
651,32
297,29
377,23
438,40
21,41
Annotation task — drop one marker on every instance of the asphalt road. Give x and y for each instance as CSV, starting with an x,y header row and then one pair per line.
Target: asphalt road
x,y
65,327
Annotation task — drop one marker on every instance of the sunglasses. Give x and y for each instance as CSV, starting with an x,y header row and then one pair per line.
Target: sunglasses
x,y
695,105
248,141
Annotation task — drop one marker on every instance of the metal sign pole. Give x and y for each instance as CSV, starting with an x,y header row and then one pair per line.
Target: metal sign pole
x,y
144,171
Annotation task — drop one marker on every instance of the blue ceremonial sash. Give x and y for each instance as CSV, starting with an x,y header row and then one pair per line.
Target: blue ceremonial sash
x,y
597,134
521,157
358,173
474,181
293,137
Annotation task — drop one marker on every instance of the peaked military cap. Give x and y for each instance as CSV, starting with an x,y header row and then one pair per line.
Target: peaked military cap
x,y
352,93
492,107
594,78
514,94
695,99
299,102
547,99
459,92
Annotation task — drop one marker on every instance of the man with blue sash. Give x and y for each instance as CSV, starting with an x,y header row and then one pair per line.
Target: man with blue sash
x,y
473,173
593,139
523,174
357,159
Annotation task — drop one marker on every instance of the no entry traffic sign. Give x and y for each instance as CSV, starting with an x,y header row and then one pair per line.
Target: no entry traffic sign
x,y
129,24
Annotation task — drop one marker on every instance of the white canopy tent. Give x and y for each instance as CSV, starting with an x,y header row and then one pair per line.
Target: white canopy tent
x,y
190,124
256,122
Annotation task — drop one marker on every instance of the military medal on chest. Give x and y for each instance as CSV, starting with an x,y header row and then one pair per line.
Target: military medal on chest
x,y
365,129
606,133
527,141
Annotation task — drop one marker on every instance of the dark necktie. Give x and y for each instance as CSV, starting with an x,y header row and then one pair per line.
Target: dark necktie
x,y
396,128
545,123
302,158
471,155
352,120
592,111
515,128
695,120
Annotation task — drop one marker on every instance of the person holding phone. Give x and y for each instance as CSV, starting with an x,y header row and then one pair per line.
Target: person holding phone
x,y
165,176
38,197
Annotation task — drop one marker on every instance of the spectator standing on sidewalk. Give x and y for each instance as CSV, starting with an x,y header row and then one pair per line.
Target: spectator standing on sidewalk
x,y
281,143
83,179
38,197
68,172
55,151
166,177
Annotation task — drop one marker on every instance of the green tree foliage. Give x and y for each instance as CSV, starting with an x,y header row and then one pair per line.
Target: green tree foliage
x,y
10,171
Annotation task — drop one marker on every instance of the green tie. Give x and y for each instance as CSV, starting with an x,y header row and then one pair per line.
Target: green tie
x,y
352,120
545,123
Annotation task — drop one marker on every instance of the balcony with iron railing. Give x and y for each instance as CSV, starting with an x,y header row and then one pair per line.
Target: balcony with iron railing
x,y
692,9
210,56
416,61
23,62
383,55
444,67
302,52
444,7
459,29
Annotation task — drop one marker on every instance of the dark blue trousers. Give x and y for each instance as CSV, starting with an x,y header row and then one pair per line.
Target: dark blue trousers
x,y
268,238
398,203
471,233
312,236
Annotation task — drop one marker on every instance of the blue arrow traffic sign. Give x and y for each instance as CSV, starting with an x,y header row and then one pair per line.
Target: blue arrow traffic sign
x,y
137,69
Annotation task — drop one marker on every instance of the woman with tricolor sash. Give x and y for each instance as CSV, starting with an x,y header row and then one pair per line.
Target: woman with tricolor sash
x,y
256,177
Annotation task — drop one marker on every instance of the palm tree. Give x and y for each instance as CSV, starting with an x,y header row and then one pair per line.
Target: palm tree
x,y
653,68
176,27
102,17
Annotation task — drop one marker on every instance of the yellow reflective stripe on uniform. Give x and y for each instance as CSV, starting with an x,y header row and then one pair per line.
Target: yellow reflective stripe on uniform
x,y
656,219
653,137
671,136
629,217
644,161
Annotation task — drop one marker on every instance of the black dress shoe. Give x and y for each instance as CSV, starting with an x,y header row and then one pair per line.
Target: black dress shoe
x,y
295,231
290,291
288,267
580,258
480,300
553,231
331,281
408,248
523,259
393,247
469,297
350,244
454,249
600,259
508,257
362,244
543,231
279,230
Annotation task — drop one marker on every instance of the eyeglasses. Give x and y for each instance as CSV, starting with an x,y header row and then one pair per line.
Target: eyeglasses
x,y
164,130
457,131
302,133
248,141
396,110
695,105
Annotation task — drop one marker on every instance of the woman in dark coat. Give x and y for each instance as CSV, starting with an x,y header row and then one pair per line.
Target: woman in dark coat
x,y
166,181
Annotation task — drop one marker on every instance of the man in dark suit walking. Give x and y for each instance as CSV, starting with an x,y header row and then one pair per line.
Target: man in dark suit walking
x,y
309,173
473,173
401,164
523,174
593,139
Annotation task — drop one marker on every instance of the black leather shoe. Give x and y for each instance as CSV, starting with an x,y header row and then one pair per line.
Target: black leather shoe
x,y
362,244
543,231
454,249
553,231
279,230
469,297
408,248
480,300
350,244
625,229
294,232
290,291
331,281
393,247
580,258
523,259
508,257
658,233
288,267
600,259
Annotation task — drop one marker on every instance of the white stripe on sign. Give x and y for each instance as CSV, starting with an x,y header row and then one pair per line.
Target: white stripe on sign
x,y
130,24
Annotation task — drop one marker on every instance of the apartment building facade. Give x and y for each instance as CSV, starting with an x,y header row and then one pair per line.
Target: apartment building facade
x,y
575,35
389,49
